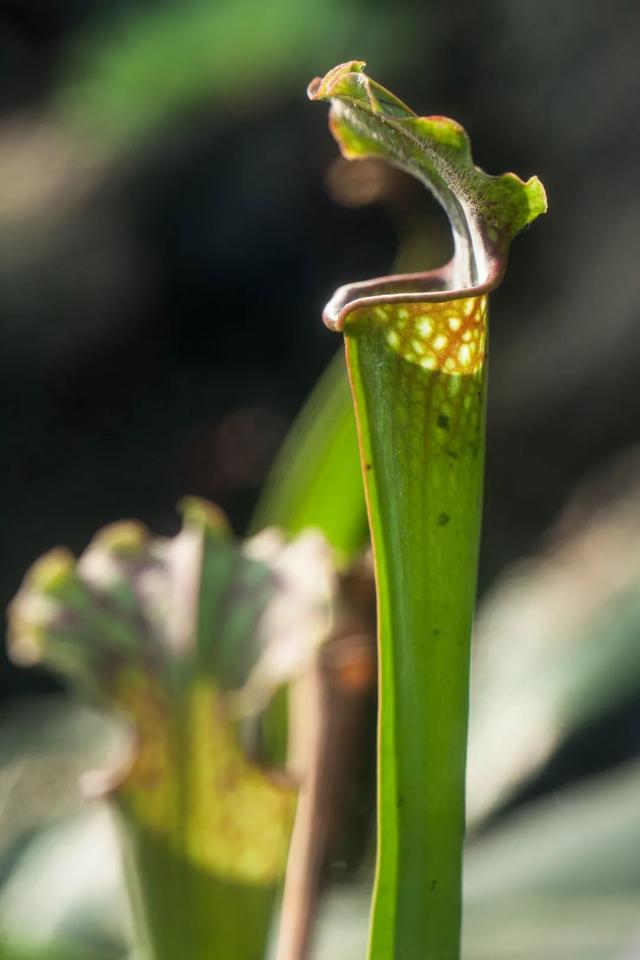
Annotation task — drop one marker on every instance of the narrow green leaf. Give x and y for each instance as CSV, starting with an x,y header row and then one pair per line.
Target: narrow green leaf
x,y
415,348
316,481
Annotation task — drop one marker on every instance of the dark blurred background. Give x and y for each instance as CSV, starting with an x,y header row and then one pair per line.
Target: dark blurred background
x,y
173,216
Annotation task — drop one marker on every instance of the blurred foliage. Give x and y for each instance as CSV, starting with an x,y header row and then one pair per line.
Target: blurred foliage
x,y
557,880
557,639
46,744
580,841
553,876
15,952
73,872
137,72
54,852
316,481
187,639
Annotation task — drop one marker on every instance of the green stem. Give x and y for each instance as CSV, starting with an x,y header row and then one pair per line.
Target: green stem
x,y
421,437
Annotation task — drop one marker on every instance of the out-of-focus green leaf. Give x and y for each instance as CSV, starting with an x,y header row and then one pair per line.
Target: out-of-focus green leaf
x,y
187,638
126,77
46,744
557,639
65,889
580,841
529,928
415,348
316,479
16,952
559,879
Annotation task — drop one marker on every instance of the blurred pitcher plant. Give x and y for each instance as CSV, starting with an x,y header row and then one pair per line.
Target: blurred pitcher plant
x,y
188,639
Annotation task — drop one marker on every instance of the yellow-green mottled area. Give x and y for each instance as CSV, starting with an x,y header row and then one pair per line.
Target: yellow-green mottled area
x,y
443,347
223,813
449,336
